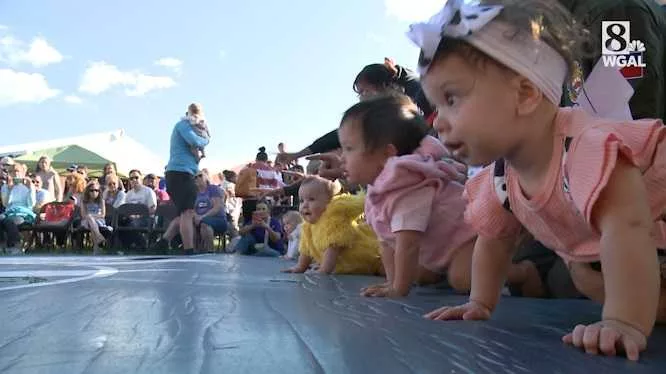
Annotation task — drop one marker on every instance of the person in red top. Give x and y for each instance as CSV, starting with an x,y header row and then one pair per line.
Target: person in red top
x,y
153,181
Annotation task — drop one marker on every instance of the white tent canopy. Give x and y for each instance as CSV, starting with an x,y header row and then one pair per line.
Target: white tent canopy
x,y
116,146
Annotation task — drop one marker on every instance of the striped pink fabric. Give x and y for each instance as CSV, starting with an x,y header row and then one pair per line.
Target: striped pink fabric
x,y
561,219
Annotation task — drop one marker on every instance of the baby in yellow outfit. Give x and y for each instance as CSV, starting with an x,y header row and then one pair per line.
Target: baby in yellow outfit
x,y
334,233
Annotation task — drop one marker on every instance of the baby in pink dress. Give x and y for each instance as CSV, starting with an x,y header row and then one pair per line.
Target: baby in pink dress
x,y
414,198
591,189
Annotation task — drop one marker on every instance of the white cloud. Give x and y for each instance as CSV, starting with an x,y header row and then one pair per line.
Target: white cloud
x,y
171,63
18,87
222,54
38,53
413,10
100,77
3,27
147,83
73,99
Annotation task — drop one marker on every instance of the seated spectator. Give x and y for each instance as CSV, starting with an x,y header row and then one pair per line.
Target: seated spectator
x,y
49,177
75,183
83,170
137,194
93,213
291,221
140,194
109,170
42,195
232,203
210,218
153,182
261,234
18,198
113,193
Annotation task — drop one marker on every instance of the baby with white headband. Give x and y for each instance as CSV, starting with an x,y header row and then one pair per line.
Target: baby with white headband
x,y
591,189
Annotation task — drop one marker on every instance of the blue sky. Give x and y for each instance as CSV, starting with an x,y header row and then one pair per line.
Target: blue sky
x,y
265,70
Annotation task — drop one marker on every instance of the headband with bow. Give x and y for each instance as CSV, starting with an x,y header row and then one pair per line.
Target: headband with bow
x,y
456,20
527,56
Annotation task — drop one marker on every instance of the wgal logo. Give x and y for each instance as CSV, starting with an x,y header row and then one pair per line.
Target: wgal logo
x,y
618,50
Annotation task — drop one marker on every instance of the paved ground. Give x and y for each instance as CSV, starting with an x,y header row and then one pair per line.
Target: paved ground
x,y
231,314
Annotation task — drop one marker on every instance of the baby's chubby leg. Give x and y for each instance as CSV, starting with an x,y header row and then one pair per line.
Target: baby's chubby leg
x,y
591,284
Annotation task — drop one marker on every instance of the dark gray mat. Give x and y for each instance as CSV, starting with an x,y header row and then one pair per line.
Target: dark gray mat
x,y
228,314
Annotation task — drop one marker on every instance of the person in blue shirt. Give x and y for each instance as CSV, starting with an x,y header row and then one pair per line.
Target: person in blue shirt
x,y
182,167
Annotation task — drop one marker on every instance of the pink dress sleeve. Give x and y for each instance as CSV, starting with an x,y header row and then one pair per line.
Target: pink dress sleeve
x,y
412,211
594,154
484,211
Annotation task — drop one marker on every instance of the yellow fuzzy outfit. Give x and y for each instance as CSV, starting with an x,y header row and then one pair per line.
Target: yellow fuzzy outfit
x,y
342,226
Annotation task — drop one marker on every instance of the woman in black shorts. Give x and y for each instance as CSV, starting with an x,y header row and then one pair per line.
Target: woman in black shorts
x,y
187,143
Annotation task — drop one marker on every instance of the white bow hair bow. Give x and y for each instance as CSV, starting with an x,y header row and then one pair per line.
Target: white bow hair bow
x,y
457,20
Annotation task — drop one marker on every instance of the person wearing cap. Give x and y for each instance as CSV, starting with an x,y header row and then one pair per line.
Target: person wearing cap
x,y
153,182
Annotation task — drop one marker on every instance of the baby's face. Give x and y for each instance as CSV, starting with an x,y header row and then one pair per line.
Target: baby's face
x,y
313,199
288,226
361,166
476,108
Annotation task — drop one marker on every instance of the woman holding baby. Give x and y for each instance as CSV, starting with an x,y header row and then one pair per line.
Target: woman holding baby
x,y
188,139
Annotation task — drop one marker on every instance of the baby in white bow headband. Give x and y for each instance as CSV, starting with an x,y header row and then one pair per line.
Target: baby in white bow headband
x,y
588,188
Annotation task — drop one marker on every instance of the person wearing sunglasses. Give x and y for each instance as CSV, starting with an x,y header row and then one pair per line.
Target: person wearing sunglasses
x,y
93,211
140,194
42,195
114,194
137,194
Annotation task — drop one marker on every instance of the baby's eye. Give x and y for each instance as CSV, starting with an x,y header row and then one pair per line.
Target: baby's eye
x,y
450,99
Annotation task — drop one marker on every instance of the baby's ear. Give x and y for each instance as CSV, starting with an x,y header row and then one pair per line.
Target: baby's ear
x,y
528,94
391,150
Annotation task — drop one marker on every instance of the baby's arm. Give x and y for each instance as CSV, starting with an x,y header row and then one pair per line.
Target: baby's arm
x,y
630,267
330,258
388,263
302,266
405,267
490,265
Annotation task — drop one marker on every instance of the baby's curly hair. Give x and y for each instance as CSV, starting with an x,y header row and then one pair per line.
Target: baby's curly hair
x,y
543,20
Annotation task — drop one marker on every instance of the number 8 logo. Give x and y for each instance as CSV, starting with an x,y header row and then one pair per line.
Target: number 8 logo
x,y
615,37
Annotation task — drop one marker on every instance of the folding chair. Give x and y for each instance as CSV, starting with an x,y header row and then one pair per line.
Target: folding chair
x,y
127,213
164,214
55,218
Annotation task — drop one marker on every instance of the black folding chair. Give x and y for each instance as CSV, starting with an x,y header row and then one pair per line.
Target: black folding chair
x,y
125,222
164,214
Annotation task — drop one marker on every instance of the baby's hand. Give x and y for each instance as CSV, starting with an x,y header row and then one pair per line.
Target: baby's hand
x,y
381,290
293,269
366,291
472,310
607,337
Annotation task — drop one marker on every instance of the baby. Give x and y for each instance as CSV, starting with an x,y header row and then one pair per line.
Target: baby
x,y
591,189
196,118
414,201
334,234
291,222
